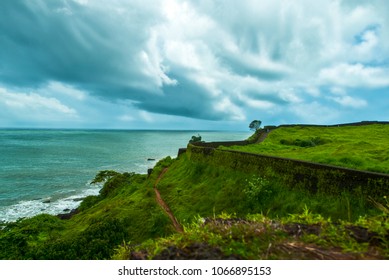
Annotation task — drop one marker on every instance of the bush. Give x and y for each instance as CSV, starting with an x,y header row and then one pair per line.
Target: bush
x,y
257,191
104,175
114,182
195,139
89,202
95,242
312,142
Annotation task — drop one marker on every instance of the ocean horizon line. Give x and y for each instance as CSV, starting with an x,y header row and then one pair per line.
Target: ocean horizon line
x,y
118,129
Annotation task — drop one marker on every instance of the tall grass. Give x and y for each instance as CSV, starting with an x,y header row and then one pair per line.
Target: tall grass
x,y
195,188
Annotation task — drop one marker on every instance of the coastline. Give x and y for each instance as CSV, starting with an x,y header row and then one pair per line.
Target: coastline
x,y
41,165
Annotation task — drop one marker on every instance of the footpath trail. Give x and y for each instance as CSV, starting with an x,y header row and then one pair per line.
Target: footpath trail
x,y
262,137
164,206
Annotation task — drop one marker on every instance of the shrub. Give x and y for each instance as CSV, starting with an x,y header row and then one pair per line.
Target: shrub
x,y
89,202
312,142
103,176
114,182
195,139
257,190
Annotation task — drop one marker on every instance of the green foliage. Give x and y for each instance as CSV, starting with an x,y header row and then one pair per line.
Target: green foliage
x,y
222,237
306,217
125,211
359,147
201,187
304,235
21,239
115,182
195,139
97,241
89,202
312,142
257,190
254,137
255,125
104,175
302,177
383,206
165,162
161,165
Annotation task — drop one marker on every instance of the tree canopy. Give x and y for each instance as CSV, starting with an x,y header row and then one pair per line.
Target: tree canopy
x,y
195,139
255,125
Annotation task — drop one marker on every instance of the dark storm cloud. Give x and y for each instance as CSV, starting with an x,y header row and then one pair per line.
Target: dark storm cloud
x,y
97,49
68,42
185,99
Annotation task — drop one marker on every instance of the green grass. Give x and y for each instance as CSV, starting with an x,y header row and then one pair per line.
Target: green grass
x,y
358,147
125,210
300,236
195,188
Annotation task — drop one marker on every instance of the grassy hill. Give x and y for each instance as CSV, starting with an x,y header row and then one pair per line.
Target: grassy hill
x,y
226,214
359,147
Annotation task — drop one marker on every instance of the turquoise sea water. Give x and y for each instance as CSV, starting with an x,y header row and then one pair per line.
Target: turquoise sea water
x,y
48,171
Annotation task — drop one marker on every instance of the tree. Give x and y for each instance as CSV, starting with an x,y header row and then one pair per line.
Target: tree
x,y
255,125
195,139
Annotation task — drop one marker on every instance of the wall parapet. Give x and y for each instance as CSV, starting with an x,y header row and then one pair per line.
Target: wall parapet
x,y
362,123
314,177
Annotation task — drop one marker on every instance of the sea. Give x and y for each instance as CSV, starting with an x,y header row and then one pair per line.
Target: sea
x,y
50,171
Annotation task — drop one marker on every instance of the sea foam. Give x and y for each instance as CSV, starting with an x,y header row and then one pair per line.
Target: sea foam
x,y
30,208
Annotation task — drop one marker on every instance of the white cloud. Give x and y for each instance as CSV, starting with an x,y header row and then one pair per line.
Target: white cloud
x,y
260,104
369,40
34,102
289,95
338,91
313,91
81,2
226,105
32,107
146,116
314,113
126,118
64,89
349,101
355,75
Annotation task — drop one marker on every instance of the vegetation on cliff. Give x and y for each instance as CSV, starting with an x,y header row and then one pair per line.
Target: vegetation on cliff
x,y
359,147
226,213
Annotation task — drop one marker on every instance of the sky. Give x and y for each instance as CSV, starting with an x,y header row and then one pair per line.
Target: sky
x,y
171,64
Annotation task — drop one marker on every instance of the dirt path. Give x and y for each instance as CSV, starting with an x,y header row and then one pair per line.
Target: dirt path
x,y
164,206
262,137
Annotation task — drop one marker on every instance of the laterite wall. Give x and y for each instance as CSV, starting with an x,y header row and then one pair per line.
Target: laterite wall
x,y
317,178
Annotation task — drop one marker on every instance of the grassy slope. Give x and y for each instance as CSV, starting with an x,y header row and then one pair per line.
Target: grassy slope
x,y
127,212
359,147
223,214
226,214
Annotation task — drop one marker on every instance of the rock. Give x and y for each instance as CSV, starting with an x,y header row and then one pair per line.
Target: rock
x,y
195,251
67,216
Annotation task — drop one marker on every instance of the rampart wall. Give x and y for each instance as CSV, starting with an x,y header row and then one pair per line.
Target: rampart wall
x,y
315,177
